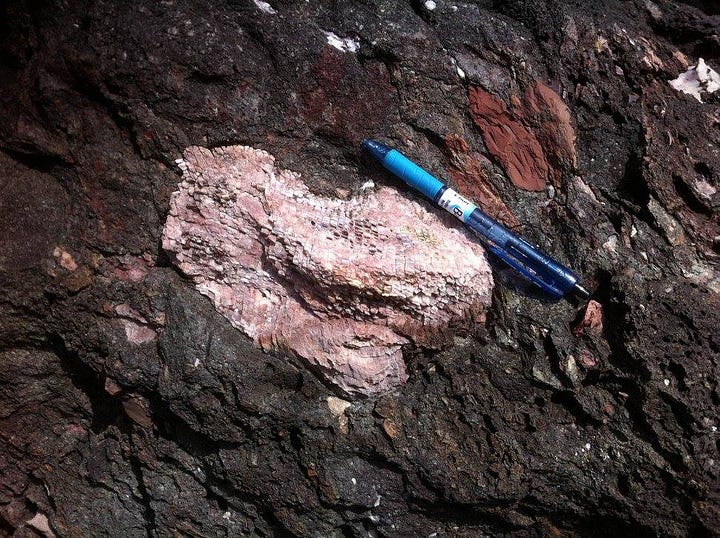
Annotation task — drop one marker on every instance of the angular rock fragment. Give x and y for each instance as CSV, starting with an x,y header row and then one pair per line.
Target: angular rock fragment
x,y
591,319
342,283
534,140
547,115
509,141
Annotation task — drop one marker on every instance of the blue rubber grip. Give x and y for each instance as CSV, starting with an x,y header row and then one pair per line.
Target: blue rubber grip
x,y
412,174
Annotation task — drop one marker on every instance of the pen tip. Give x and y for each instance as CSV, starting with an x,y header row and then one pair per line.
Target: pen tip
x,y
581,291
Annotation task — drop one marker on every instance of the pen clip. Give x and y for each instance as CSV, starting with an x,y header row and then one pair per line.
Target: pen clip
x,y
534,276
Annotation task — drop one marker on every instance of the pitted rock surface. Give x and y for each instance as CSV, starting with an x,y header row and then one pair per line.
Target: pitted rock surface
x,y
342,283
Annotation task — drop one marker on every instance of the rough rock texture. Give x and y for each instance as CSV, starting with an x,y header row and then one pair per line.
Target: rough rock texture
x,y
535,142
470,173
130,406
342,283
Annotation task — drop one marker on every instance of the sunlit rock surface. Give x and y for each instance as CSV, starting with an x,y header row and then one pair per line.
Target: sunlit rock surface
x,y
342,283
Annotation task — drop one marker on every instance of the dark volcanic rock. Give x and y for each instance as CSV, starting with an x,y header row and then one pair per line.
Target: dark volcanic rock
x,y
129,406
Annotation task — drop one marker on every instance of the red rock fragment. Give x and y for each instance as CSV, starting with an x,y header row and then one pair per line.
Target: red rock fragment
x,y
339,94
78,280
137,409
138,334
587,360
471,179
65,259
111,387
534,141
592,319
132,268
136,326
342,283
509,141
390,428
551,121
41,524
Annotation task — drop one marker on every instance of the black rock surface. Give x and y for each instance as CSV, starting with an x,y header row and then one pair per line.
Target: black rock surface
x,y
540,423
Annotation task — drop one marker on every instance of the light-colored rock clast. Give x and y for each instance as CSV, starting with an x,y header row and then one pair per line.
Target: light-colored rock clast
x,y
343,284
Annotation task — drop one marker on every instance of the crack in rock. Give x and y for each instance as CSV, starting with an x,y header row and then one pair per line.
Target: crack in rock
x,y
343,284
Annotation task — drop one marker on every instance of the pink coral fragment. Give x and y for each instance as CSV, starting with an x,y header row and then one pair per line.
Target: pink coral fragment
x,y
343,284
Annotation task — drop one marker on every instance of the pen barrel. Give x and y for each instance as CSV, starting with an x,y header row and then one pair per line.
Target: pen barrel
x,y
412,174
548,273
489,228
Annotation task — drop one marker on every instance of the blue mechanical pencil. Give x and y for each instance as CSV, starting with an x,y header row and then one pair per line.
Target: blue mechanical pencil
x,y
546,273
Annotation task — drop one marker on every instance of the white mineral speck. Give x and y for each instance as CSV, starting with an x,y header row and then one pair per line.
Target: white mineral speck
x,y
704,189
265,7
667,382
587,446
430,5
611,244
354,481
344,45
